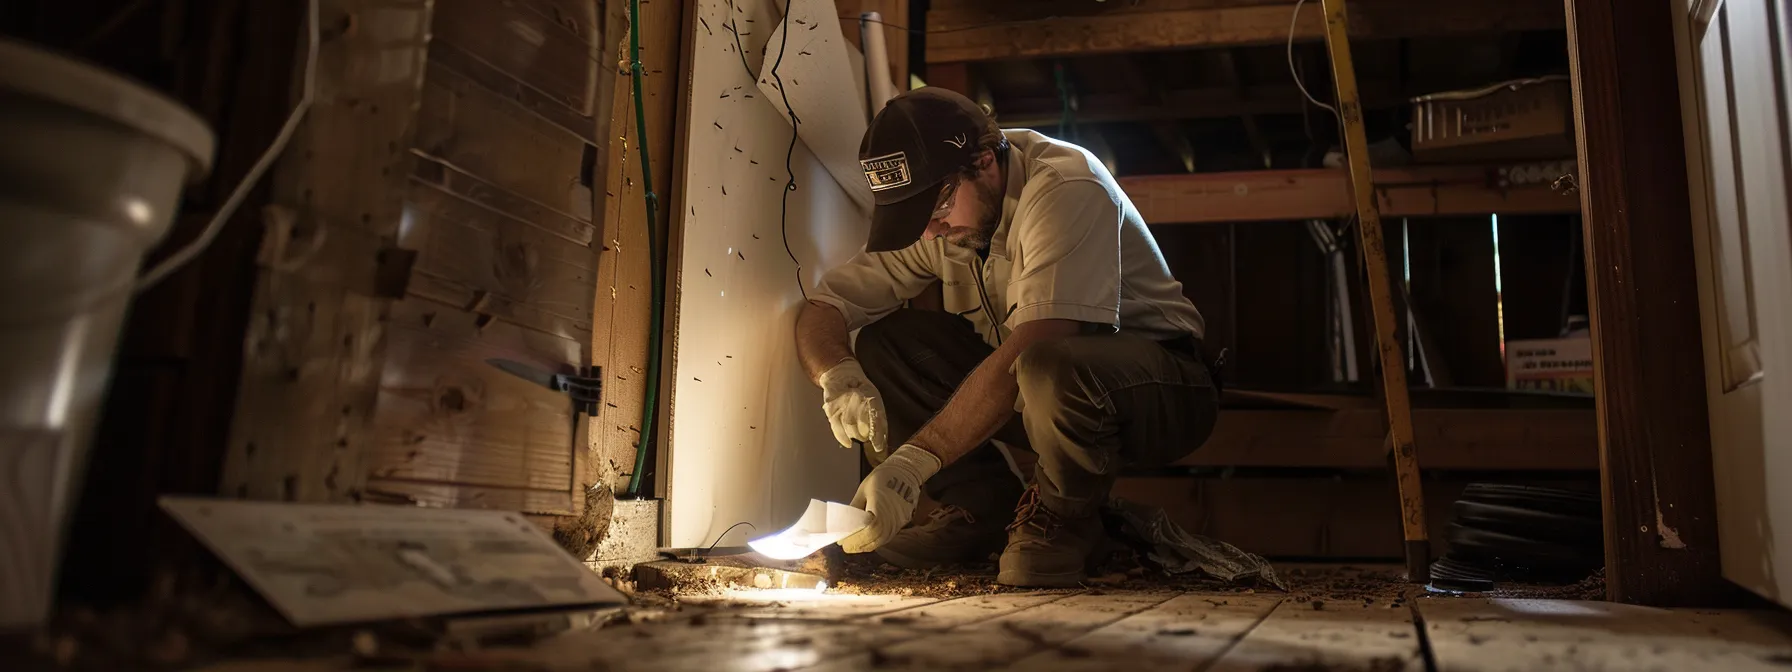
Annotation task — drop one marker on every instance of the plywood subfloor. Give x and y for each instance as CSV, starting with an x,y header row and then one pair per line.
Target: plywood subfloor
x,y
1094,629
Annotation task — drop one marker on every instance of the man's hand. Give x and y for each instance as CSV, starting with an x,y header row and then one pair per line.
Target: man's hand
x,y
890,493
855,410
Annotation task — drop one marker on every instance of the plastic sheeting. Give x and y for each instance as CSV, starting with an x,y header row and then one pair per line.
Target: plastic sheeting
x,y
1177,552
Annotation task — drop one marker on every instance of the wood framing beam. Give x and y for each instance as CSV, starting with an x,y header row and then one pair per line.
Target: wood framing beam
x,y
1324,193
1660,499
1454,439
954,76
1202,103
624,297
963,31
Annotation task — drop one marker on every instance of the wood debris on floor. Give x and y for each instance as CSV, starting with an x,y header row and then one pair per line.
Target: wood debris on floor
x,y
1329,618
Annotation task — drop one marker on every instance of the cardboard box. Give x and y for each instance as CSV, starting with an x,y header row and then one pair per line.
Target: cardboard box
x,y
1551,364
1518,120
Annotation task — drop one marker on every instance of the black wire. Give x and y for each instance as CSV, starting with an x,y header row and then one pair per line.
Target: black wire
x,y
719,537
790,183
733,26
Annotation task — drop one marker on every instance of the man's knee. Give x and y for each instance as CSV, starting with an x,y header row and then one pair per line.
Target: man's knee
x,y
1052,369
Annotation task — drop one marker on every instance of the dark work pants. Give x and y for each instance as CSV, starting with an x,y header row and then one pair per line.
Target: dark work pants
x,y
1091,406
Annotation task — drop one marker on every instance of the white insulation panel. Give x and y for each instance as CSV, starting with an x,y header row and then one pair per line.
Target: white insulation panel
x,y
748,438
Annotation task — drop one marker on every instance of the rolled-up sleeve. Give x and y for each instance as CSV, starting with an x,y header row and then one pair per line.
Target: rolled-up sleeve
x,y
1066,249
873,284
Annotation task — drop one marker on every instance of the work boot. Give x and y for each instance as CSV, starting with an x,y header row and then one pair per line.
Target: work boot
x,y
951,535
1046,548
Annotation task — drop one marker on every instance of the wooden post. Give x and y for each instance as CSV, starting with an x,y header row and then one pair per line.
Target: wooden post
x,y
1661,545
1393,374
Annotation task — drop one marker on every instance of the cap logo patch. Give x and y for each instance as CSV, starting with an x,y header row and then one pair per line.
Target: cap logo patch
x,y
959,141
887,172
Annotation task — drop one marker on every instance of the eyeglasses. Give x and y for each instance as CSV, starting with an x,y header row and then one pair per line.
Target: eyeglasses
x,y
944,205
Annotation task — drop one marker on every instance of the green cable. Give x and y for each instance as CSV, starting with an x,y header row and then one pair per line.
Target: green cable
x,y
659,280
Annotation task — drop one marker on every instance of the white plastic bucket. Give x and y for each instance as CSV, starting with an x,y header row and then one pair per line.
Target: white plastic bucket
x,y
91,169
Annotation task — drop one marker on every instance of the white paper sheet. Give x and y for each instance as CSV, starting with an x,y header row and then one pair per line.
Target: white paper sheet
x,y
822,524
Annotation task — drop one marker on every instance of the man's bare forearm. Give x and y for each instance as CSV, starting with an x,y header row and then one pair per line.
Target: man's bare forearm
x,y
821,338
985,400
980,406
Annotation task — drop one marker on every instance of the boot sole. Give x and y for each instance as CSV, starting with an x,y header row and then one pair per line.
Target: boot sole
x,y
1021,579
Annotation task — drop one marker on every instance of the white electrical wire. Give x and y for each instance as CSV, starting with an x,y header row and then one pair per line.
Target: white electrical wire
x,y
1490,89
1292,22
186,254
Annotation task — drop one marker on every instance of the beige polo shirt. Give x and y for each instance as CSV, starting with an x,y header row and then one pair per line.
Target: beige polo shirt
x,y
1070,245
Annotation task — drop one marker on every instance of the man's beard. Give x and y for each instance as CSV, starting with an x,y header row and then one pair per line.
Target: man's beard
x,y
989,217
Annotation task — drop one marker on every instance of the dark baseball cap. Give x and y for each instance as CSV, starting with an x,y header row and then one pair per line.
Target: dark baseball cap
x,y
918,140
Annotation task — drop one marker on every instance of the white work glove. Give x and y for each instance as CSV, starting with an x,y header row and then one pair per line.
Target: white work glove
x,y
854,407
890,493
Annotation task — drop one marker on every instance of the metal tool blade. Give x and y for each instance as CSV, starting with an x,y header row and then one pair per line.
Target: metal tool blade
x,y
543,378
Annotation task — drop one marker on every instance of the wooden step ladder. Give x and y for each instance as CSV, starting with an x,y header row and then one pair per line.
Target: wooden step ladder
x,y
1375,258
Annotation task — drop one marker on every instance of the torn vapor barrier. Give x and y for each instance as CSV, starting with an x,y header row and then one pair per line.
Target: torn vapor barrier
x,y
1175,551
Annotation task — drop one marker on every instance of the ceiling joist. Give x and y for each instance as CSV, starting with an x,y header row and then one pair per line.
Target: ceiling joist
x,y
1324,193
1203,103
963,31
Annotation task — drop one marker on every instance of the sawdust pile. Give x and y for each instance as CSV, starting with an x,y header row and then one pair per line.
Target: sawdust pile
x,y
1590,588
1368,586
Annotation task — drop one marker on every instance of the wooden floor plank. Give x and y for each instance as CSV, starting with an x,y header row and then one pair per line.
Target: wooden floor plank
x,y
760,640
1184,633
711,645
804,604
1320,635
998,642
1473,635
966,611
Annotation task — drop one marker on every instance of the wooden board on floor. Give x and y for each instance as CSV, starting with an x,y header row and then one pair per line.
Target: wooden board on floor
x,y
322,565
1472,635
1187,632
1347,636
